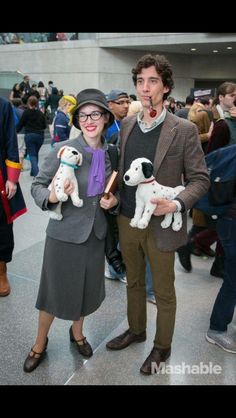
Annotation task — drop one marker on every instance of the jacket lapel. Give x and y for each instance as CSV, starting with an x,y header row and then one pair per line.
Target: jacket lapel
x,y
125,132
167,135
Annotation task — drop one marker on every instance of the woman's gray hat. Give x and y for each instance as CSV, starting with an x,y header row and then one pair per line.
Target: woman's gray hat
x,y
92,96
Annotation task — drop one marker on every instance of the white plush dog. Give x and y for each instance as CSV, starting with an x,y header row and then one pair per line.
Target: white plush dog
x,y
140,174
70,160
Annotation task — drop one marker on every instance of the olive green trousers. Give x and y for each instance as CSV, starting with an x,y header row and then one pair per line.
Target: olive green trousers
x,y
137,245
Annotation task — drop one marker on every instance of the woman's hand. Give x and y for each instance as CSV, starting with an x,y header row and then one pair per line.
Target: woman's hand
x,y
68,189
209,133
108,203
10,189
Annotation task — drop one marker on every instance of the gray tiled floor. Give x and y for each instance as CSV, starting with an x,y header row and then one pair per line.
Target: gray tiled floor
x,y
63,365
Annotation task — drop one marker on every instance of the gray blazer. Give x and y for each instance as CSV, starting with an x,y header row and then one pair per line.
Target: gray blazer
x,y
178,152
77,223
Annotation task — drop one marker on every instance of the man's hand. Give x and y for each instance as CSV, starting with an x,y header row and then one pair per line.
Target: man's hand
x,y
163,206
232,112
10,189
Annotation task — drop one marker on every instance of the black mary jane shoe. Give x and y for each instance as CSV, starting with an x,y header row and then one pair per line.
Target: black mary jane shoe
x,y
85,349
33,362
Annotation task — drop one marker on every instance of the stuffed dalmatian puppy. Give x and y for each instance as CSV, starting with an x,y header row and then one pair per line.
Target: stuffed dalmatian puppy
x,y
140,174
70,158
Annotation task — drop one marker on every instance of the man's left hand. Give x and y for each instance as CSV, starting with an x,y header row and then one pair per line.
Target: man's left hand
x,y
10,189
163,206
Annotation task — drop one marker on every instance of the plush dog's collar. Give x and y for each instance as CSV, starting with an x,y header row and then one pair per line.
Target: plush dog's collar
x,y
69,165
148,181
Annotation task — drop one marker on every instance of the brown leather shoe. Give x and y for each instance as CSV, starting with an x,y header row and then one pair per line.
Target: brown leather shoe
x,y
32,362
5,288
85,348
125,339
156,356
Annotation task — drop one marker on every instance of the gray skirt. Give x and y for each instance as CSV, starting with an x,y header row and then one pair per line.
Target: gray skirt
x,y
72,279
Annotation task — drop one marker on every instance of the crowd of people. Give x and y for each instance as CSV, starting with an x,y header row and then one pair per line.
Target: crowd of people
x,y
20,38
116,125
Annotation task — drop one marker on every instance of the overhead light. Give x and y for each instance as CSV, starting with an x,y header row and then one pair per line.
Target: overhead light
x,y
215,50
229,47
193,49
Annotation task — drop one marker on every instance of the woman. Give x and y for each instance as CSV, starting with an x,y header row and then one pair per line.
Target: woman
x,y
72,279
15,92
198,115
43,96
34,123
61,123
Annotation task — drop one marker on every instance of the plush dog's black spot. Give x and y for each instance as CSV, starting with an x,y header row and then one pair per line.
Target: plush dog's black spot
x,y
147,169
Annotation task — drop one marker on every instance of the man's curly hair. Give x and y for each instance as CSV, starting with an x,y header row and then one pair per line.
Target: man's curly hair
x,y
162,66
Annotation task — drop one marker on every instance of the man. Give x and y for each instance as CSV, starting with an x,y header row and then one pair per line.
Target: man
x,y
223,133
50,86
118,102
226,96
11,200
25,86
183,113
172,144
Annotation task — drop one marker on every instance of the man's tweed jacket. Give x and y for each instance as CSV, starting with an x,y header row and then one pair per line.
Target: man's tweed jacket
x,y
178,153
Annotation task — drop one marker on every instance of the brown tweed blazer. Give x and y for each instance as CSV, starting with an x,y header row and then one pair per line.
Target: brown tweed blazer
x,y
178,153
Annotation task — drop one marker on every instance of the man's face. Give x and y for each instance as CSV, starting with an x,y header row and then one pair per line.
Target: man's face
x,y
227,101
120,107
150,85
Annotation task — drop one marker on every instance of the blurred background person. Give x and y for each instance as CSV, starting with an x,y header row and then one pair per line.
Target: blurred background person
x,y
15,92
12,202
34,123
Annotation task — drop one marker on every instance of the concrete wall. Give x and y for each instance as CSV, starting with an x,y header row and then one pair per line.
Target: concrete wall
x,y
76,65
71,65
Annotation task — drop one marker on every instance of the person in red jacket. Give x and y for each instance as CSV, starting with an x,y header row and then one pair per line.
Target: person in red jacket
x,y
12,202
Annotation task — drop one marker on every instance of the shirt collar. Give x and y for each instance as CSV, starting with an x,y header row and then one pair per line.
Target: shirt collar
x,y
220,111
143,126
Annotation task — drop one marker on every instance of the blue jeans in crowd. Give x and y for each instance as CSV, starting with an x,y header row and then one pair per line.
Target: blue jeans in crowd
x,y
149,288
33,144
223,310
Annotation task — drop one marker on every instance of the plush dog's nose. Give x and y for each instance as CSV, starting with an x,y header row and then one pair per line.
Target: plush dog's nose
x,y
75,152
126,177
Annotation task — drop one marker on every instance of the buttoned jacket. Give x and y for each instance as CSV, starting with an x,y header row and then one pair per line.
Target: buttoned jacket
x,y
178,157
77,223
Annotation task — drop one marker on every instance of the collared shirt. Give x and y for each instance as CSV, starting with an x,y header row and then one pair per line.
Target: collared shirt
x,y
143,126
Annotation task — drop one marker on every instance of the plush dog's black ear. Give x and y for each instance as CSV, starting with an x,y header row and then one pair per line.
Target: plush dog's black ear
x,y
147,170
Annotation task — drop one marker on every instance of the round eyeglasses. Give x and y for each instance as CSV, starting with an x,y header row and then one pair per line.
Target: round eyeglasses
x,y
95,115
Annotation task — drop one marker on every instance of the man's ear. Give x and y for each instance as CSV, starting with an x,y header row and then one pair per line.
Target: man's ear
x,y
147,170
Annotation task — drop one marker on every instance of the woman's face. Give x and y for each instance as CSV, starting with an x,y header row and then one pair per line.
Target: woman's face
x,y
92,120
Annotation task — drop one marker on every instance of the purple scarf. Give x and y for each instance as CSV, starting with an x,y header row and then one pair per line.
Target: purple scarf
x,y
96,181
